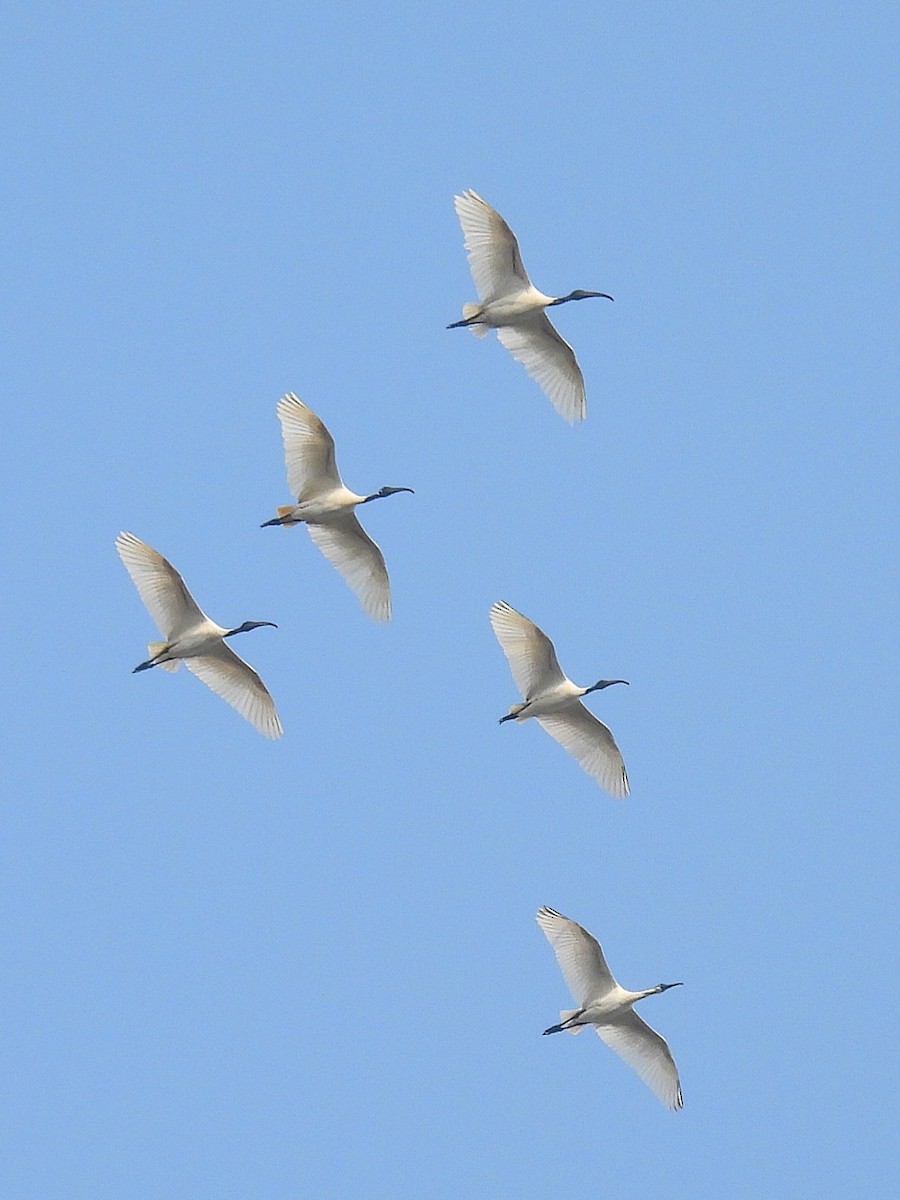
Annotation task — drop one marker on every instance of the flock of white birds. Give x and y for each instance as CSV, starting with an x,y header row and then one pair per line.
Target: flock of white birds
x,y
511,304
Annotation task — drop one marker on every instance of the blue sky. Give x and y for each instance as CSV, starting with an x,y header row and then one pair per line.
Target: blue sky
x,y
238,968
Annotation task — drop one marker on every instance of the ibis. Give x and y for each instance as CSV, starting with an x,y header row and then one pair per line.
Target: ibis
x,y
327,507
510,303
555,701
191,637
609,1007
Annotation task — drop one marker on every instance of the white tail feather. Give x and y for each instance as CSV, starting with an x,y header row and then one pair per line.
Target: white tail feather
x,y
564,1014
154,648
469,310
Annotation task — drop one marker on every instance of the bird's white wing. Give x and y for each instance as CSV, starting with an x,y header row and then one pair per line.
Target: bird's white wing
x,y
528,650
592,744
579,956
160,586
550,361
494,258
646,1052
349,548
308,449
239,685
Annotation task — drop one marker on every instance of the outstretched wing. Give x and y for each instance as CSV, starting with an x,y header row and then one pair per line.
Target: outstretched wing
x,y
528,650
592,744
646,1052
494,258
349,548
308,449
160,586
579,956
550,361
239,685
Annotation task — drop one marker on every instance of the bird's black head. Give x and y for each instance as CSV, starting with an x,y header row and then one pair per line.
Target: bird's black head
x,y
248,625
664,987
580,294
605,683
386,491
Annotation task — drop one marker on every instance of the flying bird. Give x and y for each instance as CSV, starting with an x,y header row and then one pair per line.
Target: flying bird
x,y
555,701
190,636
326,507
510,303
608,1007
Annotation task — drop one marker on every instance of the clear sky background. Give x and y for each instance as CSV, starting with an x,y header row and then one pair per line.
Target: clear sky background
x,y
310,968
